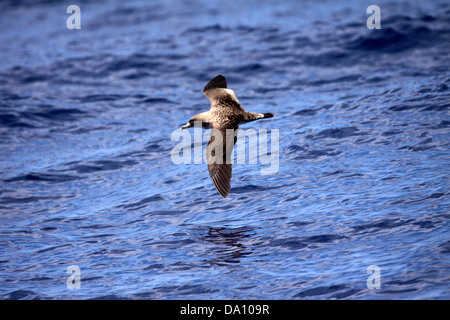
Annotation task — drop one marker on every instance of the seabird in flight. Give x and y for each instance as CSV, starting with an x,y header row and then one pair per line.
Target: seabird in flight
x,y
225,115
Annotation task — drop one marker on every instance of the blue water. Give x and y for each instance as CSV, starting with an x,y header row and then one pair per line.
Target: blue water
x,y
86,176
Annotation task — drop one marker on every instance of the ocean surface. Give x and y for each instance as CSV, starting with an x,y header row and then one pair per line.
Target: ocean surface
x,y
87,179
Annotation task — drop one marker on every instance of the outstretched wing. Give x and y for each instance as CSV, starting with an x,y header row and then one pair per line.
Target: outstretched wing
x,y
218,156
217,82
217,92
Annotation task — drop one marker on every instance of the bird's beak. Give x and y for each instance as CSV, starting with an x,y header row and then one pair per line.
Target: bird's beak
x,y
187,125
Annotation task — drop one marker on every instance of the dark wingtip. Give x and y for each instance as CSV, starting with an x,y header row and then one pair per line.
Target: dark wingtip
x,y
217,82
268,115
223,194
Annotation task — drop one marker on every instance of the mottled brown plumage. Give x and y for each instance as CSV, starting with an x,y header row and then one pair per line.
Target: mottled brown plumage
x,y
226,114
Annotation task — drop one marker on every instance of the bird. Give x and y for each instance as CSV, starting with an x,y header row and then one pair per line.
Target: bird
x,y
224,116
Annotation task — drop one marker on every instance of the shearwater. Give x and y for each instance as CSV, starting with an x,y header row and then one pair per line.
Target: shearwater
x,y
225,115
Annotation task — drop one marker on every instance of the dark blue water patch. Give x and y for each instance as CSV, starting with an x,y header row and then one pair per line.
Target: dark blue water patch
x,y
436,195
24,200
57,114
25,76
275,37
101,165
155,146
29,79
295,148
230,243
250,188
336,133
182,266
348,294
134,61
137,75
376,79
53,248
265,89
323,238
155,266
421,146
27,3
297,243
431,197
293,198
45,177
117,297
404,282
22,295
329,58
186,290
401,285
383,224
139,61
139,204
226,235
304,153
93,98
221,208
441,88
101,97
49,229
403,32
251,69
400,291
437,107
97,226
158,101
41,278
14,121
133,154
162,212
127,17
392,40
315,83
209,29
291,243
148,295
173,244
445,247
299,223
84,70
40,116
427,224
305,112
87,279
77,130
353,47
390,178
320,291
391,133
88,70
421,106
336,172
137,131
8,96
18,232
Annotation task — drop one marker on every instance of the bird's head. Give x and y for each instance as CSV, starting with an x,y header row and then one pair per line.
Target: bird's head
x,y
197,121
188,125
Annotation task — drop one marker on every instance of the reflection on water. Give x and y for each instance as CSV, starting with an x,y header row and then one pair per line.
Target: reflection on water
x,y
229,247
